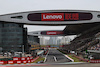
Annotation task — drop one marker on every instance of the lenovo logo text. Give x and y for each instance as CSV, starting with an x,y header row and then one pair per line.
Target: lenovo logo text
x,y
52,16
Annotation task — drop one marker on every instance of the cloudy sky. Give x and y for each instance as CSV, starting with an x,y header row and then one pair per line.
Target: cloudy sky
x,y
13,6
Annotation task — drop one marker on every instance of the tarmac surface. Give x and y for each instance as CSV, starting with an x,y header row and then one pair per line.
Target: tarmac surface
x,y
54,56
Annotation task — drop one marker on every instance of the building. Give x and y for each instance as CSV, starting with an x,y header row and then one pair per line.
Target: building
x,y
25,40
53,41
46,42
65,40
42,40
12,36
58,41
33,42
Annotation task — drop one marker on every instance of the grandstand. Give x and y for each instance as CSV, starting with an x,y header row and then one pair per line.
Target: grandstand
x,y
86,41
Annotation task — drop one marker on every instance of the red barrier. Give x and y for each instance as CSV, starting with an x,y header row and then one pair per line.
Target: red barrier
x,y
19,62
31,58
28,58
16,58
36,58
3,62
94,61
29,61
23,58
11,62
24,61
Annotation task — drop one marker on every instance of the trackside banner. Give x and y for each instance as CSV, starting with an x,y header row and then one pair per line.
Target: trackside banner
x,y
52,33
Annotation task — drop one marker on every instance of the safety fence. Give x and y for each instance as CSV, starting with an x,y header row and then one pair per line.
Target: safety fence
x,y
17,60
95,61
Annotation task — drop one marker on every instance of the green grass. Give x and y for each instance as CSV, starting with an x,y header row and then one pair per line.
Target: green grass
x,y
71,56
39,59
74,58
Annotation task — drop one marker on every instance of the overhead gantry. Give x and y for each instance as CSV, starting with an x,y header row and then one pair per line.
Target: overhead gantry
x,y
76,21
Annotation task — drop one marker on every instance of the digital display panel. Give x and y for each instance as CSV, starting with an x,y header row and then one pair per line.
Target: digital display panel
x,y
61,16
52,33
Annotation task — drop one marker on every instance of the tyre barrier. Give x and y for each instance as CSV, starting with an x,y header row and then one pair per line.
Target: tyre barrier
x,y
17,60
95,61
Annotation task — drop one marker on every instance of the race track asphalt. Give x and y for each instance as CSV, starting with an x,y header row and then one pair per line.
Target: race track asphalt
x,y
55,56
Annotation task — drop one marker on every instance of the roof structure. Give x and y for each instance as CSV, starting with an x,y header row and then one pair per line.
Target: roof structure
x,y
76,21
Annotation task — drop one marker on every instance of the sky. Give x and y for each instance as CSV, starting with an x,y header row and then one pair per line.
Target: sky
x,y
13,6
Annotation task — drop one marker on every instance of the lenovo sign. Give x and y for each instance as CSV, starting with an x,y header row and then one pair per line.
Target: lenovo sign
x,y
54,32
51,33
61,16
52,16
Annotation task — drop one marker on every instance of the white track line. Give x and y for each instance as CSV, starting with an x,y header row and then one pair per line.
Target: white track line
x,y
68,57
55,58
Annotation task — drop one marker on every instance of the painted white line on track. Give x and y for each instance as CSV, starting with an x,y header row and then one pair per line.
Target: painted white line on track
x,y
55,58
68,57
46,56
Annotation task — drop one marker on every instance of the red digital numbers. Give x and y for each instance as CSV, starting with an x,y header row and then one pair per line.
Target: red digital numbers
x,y
72,16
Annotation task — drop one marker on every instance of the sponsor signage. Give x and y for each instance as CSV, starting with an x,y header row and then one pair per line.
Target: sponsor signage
x,y
60,16
23,58
95,61
19,62
16,58
3,62
10,62
52,33
24,61
52,16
